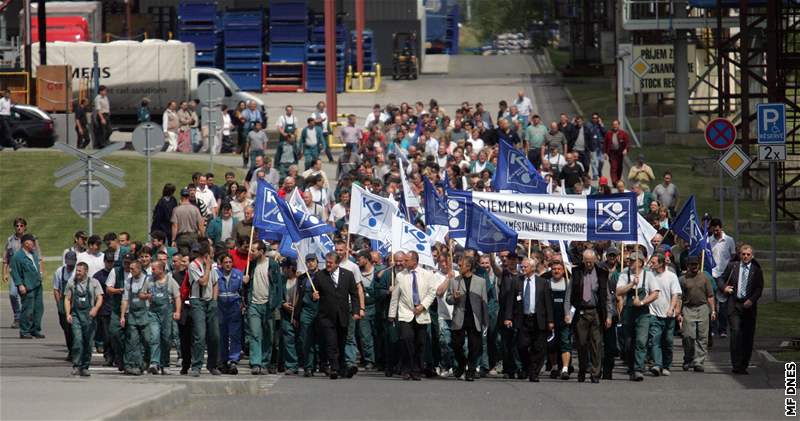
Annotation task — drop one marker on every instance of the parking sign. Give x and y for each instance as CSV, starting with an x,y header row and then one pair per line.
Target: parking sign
x,y
771,124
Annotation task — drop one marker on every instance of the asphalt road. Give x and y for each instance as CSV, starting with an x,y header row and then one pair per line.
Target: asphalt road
x,y
683,396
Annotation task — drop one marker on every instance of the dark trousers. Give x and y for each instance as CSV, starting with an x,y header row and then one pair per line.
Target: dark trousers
x,y
743,328
185,334
616,161
474,348
62,320
588,332
102,132
531,344
83,139
103,321
412,346
610,348
5,131
508,340
335,337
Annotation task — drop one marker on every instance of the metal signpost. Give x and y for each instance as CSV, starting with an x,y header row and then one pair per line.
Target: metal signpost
x,y
148,139
211,92
90,199
640,68
212,119
720,135
771,139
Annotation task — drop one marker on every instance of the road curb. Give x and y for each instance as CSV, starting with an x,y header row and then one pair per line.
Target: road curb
x,y
158,403
773,368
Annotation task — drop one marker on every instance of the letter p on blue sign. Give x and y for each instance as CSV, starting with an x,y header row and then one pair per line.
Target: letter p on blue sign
x,y
771,124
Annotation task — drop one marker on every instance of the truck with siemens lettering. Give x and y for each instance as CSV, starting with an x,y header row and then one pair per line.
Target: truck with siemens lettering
x,y
161,71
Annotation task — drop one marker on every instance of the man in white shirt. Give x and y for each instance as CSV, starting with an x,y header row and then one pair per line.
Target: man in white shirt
x,y
524,107
92,256
663,311
206,195
5,120
375,117
413,293
723,247
102,119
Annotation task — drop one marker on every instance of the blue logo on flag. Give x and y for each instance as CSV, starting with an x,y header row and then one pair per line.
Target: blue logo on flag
x,y
457,213
413,239
612,217
375,212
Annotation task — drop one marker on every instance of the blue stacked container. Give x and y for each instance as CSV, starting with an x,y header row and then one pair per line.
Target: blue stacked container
x,y
198,23
441,26
244,47
368,47
315,57
288,29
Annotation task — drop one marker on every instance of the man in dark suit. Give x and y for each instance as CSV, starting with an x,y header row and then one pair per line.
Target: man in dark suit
x,y
590,297
334,286
530,309
508,338
743,282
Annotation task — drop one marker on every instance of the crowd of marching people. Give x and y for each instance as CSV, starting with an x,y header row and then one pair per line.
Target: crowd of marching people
x,y
220,287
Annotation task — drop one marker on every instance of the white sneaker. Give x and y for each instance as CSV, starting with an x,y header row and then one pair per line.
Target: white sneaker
x,y
665,372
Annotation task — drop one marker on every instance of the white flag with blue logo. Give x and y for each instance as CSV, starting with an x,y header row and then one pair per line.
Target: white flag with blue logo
x,y
370,214
407,237
412,201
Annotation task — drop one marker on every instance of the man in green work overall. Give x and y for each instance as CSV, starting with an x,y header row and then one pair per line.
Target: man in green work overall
x,y
133,318
165,306
83,298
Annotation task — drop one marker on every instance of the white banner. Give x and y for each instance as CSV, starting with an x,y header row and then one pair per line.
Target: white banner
x,y
553,217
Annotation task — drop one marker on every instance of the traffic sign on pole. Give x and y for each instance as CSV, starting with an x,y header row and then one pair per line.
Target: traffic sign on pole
x,y
720,134
148,139
771,124
90,199
210,92
735,161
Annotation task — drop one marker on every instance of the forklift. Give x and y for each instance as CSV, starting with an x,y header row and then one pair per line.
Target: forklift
x,y
404,56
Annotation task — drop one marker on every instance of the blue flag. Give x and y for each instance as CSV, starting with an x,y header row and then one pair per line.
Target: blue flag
x,y
272,214
270,235
515,172
703,246
435,209
310,225
487,233
288,248
458,212
686,224
383,248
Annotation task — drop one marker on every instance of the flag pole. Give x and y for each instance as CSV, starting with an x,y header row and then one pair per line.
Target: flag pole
x,y
313,288
529,249
249,248
392,270
702,260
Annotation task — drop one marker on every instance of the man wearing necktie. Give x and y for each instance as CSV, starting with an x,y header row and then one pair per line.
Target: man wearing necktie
x,y
413,294
333,287
530,310
744,282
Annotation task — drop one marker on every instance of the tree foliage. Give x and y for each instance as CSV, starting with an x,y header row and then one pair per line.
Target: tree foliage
x,y
492,17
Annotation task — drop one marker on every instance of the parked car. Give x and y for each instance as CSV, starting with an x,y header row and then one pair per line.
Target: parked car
x,y
31,127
